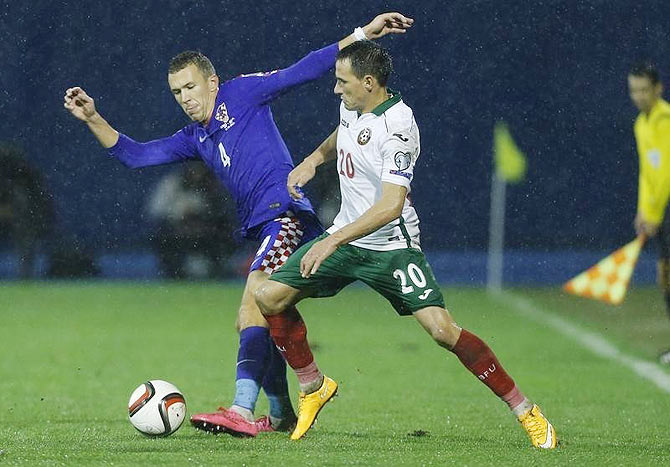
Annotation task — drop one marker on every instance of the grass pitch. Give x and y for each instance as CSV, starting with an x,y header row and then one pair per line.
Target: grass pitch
x,y
73,352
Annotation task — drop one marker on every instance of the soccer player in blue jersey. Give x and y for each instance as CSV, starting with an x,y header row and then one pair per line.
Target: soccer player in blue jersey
x,y
234,134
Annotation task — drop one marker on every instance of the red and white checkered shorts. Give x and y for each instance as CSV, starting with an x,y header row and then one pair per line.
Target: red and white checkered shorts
x,y
282,237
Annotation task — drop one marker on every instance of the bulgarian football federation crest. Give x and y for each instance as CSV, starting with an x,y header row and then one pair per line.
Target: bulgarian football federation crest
x,y
364,136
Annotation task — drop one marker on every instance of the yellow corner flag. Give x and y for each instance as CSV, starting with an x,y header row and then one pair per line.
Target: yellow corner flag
x,y
509,160
608,280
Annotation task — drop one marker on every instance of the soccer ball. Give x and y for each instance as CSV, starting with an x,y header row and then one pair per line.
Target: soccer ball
x,y
157,408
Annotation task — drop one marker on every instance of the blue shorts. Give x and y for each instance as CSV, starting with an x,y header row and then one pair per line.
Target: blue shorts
x,y
281,237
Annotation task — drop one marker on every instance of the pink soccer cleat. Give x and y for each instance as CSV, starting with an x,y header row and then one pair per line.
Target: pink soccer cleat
x,y
225,421
264,424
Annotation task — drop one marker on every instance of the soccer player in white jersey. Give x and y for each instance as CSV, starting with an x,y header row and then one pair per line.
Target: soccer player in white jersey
x,y
374,239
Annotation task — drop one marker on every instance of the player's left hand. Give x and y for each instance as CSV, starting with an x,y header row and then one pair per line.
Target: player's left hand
x,y
316,255
80,104
387,23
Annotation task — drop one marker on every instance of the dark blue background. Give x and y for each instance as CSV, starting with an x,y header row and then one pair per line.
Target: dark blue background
x,y
554,71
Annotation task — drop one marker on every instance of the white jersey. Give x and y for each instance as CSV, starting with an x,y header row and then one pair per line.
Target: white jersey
x,y
375,147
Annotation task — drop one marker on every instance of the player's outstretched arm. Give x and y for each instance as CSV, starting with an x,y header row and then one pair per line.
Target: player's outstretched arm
x,y
264,87
82,106
306,170
386,23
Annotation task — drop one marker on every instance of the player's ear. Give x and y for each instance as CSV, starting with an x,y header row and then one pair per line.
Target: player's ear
x,y
213,82
368,82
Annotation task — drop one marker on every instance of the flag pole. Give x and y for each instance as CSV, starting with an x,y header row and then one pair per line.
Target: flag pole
x,y
494,263
509,166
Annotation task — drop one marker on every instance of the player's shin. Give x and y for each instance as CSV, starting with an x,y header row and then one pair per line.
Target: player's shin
x,y
253,358
478,357
276,388
289,332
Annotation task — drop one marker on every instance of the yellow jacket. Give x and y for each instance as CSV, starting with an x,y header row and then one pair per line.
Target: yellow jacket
x,y
652,133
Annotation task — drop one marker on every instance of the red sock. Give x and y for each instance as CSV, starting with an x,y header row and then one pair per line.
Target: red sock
x,y
514,399
289,332
482,362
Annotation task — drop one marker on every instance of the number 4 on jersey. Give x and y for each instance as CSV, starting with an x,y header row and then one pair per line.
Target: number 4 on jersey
x,y
225,158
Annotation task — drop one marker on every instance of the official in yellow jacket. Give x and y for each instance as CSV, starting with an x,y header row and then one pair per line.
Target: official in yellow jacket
x,y
652,134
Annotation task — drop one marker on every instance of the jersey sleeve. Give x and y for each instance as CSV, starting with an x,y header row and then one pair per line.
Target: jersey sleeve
x,y
133,154
264,87
654,182
399,154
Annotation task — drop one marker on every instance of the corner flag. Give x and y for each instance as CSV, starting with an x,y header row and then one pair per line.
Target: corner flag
x,y
608,280
510,166
509,160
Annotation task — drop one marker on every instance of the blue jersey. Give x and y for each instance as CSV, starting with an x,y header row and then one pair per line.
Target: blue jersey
x,y
241,143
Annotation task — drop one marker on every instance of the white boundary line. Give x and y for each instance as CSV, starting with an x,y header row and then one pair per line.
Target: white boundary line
x,y
589,340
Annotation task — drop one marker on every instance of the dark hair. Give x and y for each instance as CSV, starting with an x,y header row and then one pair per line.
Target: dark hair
x,y
184,59
647,70
368,58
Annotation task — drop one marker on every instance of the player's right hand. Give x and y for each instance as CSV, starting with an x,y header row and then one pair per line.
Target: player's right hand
x,y
298,177
387,23
80,104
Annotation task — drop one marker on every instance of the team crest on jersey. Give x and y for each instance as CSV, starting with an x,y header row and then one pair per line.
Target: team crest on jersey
x,y
364,136
402,160
222,116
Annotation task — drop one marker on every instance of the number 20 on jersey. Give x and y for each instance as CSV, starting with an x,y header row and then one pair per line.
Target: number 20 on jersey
x,y
346,165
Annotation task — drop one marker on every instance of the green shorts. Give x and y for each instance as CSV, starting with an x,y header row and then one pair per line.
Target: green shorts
x,y
402,276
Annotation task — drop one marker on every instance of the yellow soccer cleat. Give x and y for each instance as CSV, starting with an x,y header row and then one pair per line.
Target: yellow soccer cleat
x,y
541,432
311,404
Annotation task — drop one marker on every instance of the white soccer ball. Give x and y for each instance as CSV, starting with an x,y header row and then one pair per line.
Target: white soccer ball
x,y
157,408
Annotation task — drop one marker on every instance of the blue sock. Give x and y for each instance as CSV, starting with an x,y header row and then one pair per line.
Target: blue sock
x,y
276,386
253,357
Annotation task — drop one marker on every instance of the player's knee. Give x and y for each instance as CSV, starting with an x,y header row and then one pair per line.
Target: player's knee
x,y
440,325
444,337
268,299
445,333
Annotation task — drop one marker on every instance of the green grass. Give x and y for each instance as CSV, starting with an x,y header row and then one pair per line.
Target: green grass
x,y
72,353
